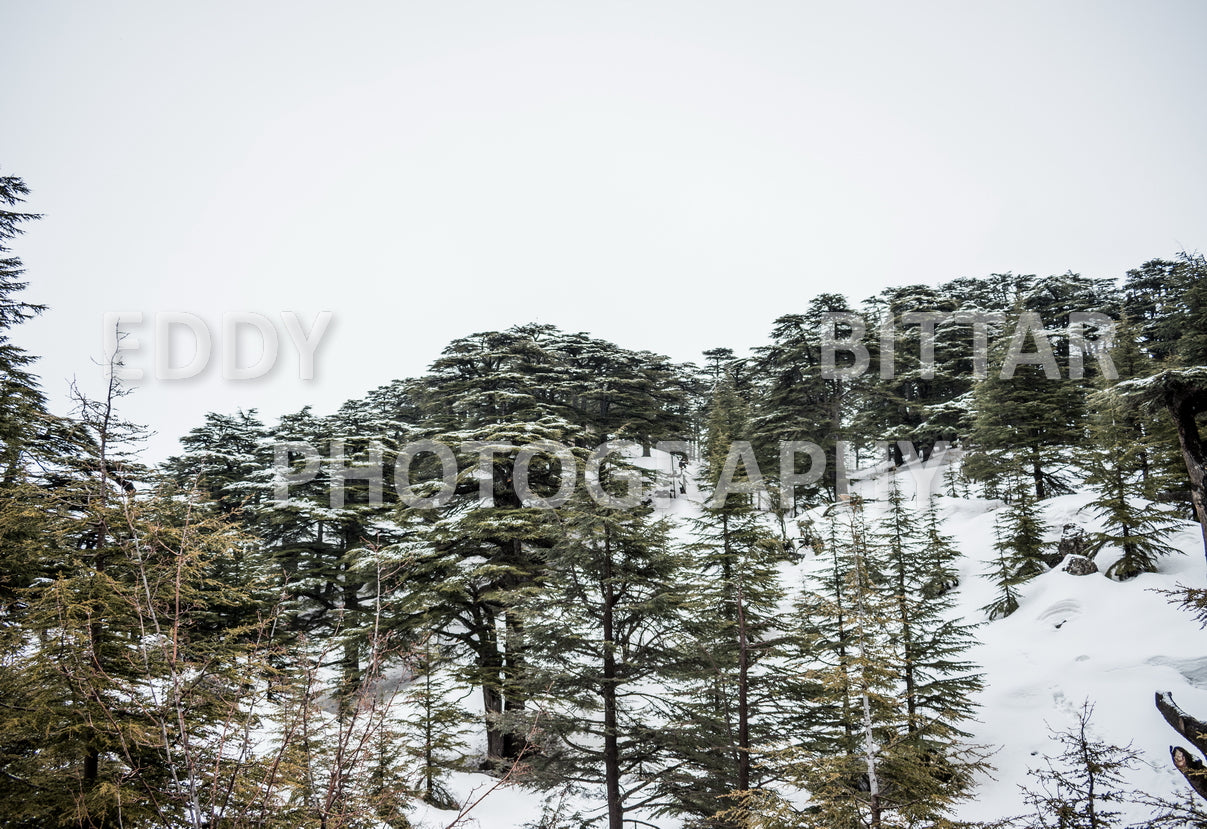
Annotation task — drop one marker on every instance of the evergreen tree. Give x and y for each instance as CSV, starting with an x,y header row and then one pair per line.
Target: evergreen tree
x,y
1119,465
1182,394
902,396
23,413
847,787
1155,297
527,385
998,292
726,681
596,634
824,724
484,559
225,458
132,689
616,393
1077,788
727,421
937,682
1153,450
901,759
792,400
434,730
1025,421
321,528
1018,543
31,439
1192,345
227,462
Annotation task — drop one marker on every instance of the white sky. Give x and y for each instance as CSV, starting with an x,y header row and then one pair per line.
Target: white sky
x,y
668,175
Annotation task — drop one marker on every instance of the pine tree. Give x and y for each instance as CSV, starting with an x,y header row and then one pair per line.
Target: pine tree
x,y
903,397
434,730
485,559
792,401
1192,345
1167,301
141,703
727,421
723,709
1155,297
616,393
1077,788
1018,543
223,457
1117,463
918,560
1026,422
319,532
998,292
30,437
527,385
22,405
894,685
847,787
595,635
227,463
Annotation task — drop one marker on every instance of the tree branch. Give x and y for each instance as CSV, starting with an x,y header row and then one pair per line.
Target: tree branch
x,y
1191,767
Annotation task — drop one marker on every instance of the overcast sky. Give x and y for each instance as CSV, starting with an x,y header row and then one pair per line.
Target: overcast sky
x,y
671,176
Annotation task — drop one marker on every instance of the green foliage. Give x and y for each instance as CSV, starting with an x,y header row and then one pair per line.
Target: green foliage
x,y
434,730
918,563
919,402
1135,527
121,671
1081,786
724,668
891,678
594,637
792,401
155,629
1166,299
1019,546
22,405
727,420
1026,423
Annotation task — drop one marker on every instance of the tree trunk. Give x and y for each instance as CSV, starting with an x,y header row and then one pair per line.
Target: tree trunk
x,y
844,663
743,696
608,691
492,702
1184,405
870,748
870,752
429,738
490,662
514,694
350,658
1193,730
911,683
515,700
896,455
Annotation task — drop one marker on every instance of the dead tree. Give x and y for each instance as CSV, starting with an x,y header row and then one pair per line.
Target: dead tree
x,y
1195,731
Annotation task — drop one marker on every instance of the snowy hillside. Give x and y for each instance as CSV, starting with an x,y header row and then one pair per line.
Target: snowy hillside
x,y
1073,639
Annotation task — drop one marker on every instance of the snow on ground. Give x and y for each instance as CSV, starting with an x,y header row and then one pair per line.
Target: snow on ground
x,y
1078,638
1073,639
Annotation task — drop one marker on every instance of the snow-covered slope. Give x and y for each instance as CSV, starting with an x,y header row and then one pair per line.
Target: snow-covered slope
x,y
1078,638
1074,639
